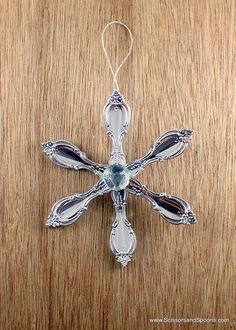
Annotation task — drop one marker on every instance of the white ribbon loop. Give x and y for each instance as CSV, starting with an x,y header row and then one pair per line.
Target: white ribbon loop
x,y
115,72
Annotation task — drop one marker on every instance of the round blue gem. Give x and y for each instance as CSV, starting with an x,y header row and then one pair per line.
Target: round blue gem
x,y
116,177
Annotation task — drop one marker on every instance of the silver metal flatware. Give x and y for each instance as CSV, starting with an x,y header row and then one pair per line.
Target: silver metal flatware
x,y
117,177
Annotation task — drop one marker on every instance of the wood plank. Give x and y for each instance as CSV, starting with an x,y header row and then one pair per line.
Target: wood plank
x,y
54,84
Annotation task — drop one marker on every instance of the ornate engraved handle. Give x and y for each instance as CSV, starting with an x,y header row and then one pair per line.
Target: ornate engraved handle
x,y
66,154
69,209
122,238
117,115
171,208
169,145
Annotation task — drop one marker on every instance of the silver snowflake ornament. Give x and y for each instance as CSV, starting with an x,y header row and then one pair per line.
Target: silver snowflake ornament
x,y
119,178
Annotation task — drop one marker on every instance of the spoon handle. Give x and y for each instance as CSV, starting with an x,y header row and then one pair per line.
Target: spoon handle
x,y
171,144
122,239
117,115
173,209
65,154
67,210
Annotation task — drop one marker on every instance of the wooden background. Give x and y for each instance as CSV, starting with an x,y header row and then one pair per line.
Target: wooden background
x,y
54,84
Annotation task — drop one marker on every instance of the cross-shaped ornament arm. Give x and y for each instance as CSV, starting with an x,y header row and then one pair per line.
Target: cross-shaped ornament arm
x,y
173,209
66,154
122,238
171,144
67,210
117,116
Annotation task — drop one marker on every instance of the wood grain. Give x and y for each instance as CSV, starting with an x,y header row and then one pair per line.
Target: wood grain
x,y
54,84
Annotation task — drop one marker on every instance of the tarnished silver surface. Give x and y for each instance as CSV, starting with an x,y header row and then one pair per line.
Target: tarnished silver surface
x,y
171,208
122,238
171,144
67,210
119,179
66,154
117,116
